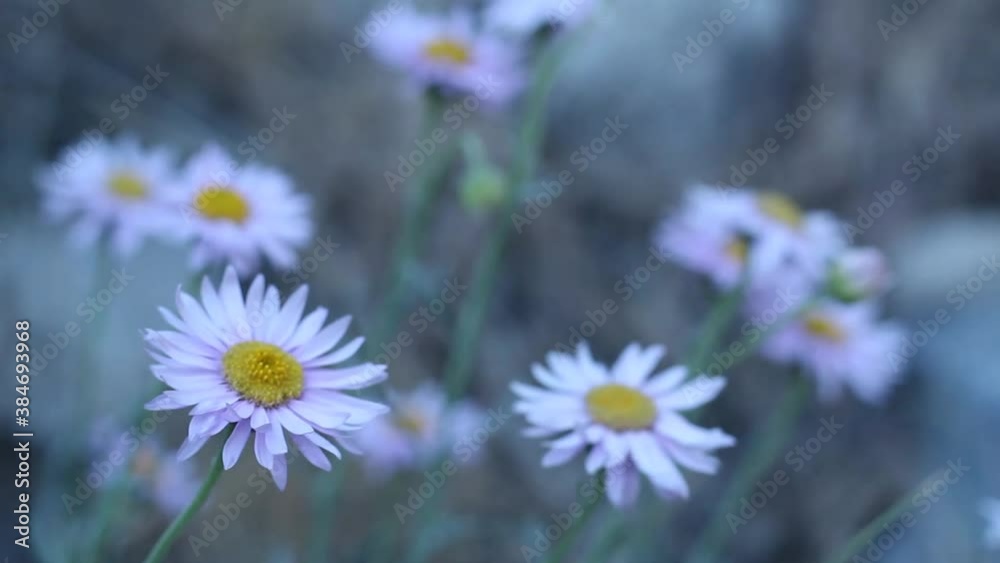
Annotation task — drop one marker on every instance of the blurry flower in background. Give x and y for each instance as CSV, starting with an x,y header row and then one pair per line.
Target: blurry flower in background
x,y
623,419
170,484
529,16
118,187
783,233
264,368
450,53
842,345
235,215
990,509
421,428
859,273
710,234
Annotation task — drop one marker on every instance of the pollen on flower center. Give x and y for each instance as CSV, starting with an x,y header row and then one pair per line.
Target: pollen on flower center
x,y
126,185
781,209
824,328
621,407
448,51
220,203
263,373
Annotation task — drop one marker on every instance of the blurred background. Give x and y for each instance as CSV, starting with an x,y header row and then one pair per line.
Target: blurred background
x,y
926,81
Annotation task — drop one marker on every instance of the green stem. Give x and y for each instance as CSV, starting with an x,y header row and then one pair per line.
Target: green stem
x,y
417,210
876,527
714,327
765,445
162,547
473,312
566,543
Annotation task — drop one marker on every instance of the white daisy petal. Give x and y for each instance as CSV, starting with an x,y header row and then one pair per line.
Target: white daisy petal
x,y
235,444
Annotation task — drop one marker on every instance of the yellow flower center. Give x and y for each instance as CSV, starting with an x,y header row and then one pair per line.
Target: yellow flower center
x,y
411,422
738,250
220,203
263,373
781,209
126,185
824,328
446,50
621,407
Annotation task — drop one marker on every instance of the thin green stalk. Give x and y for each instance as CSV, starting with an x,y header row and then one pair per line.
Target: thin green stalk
x,y
764,446
714,327
162,547
473,312
877,526
566,543
421,193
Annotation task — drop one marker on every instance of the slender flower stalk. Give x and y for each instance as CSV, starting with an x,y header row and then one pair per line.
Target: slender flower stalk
x,y
473,313
877,526
714,327
162,547
420,197
762,450
566,543
327,489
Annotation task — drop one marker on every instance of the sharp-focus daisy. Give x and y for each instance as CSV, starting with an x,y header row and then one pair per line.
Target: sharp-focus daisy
x,y
118,187
710,233
450,53
528,16
235,215
990,509
264,367
623,419
843,345
859,273
783,234
421,428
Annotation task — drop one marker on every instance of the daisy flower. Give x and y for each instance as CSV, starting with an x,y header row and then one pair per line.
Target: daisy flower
x,y
267,369
237,215
710,234
421,428
859,273
622,419
783,233
842,345
450,53
118,187
990,509
528,16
